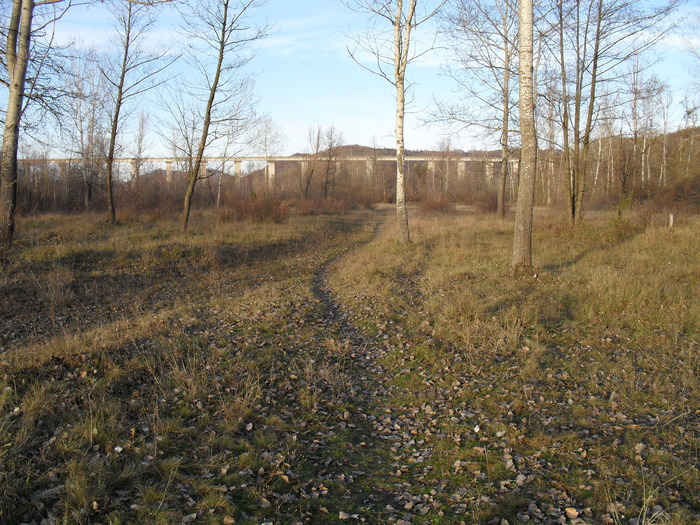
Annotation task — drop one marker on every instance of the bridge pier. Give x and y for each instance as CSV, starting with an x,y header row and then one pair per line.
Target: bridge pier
x,y
369,169
135,168
270,174
489,172
432,165
461,170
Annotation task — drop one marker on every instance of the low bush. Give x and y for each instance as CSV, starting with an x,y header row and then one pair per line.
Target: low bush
x,y
332,205
437,204
261,207
684,195
486,202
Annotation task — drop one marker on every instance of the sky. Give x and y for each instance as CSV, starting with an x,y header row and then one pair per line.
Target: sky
x,y
305,76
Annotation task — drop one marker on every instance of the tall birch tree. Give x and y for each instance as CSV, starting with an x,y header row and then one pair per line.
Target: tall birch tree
x,y
522,239
17,56
19,30
388,40
219,36
132,73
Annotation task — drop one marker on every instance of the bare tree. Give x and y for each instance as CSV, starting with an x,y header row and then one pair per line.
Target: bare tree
x,y
445,158
483,34
332,140
388,40
268,138
88,122
140,146
219,34
665,103
132,72
311,160
590,41
18,56
522,240
691,111
645,110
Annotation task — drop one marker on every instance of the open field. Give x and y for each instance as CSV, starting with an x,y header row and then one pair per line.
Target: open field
x,y
315,371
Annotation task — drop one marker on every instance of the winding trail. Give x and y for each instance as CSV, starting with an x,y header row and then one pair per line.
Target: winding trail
x,y
384,447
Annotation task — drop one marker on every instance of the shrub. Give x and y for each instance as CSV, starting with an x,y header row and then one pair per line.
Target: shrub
x,y
684,195
486,201
262,207
436,204
332,205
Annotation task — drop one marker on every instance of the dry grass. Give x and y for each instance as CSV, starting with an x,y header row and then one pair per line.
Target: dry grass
x,y
585,372
151,376
145,373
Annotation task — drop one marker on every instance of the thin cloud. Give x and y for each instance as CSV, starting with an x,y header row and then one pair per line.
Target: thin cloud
x,y
306,38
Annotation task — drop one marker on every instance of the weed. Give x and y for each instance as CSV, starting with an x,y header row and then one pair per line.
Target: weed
x,y
438,204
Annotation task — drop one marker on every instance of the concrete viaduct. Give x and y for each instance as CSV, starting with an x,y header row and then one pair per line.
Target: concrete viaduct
x,y
270,162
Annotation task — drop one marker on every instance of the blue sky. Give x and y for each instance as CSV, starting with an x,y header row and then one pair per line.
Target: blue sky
x,y
308,78
305,76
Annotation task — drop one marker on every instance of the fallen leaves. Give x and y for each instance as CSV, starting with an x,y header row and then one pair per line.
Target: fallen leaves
x,y
262,400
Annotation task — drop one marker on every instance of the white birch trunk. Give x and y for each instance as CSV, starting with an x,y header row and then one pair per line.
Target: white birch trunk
x,y
402,39
17,58
522,239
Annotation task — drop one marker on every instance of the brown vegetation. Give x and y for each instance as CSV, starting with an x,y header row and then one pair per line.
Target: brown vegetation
x,y
572,387
153,376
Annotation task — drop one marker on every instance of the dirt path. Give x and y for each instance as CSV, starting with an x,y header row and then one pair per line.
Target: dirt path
x,y
242,394
384,454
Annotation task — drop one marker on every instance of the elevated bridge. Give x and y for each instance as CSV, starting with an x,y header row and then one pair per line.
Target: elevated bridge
x,y
224,163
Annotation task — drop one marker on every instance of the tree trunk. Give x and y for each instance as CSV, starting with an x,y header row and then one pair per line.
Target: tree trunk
x,y
401,210
501,207
566,164
598,161
187,204
17,57
664,160
193,175
401,46
522,239
111,213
